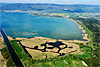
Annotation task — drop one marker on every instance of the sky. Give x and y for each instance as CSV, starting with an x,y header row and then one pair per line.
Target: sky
x,y
89,2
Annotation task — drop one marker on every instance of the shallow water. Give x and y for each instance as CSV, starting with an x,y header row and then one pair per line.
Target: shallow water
x,y
57,28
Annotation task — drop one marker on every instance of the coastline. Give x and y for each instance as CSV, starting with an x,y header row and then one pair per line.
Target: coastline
x,y
36,41
48,39
83,30
80,27
70,43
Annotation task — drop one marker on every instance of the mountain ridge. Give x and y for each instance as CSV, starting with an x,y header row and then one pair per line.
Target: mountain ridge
x,y
52,8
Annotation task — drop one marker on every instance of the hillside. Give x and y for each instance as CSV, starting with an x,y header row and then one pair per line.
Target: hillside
x,y
52,8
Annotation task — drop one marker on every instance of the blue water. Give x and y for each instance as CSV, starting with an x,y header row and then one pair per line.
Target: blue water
x,y
2,4
57,28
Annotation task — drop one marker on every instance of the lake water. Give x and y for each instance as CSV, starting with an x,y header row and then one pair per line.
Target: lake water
x,y
57,28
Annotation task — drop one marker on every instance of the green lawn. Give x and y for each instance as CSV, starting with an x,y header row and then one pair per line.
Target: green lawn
x,y
71,60
87,54
76,63
20,52
61,63
86,48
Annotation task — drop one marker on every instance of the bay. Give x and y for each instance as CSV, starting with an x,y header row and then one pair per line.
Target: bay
x,y
56,28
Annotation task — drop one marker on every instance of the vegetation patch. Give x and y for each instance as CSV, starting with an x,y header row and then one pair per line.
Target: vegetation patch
x,y
92,28
33,32
30,32
21,53
23,32
7,55
86,55
61,62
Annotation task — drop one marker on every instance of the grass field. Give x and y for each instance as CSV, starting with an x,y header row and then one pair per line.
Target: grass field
x,y
40,55
86,49
86,54
61,63
69,60
20,52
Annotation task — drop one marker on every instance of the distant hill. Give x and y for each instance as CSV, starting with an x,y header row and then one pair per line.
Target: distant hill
x,y
52,8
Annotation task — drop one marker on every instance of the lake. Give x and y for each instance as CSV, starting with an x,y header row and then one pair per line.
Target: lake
x,y
44,26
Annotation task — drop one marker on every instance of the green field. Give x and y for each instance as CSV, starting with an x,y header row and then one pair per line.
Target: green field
x,y
57,61
90,57
21,53
64,62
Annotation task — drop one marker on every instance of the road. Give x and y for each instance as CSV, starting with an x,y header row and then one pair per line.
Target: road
x,y
14,56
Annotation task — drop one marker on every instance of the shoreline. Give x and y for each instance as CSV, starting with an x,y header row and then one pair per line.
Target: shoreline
x,y
83,30
68,42
80,27
18,38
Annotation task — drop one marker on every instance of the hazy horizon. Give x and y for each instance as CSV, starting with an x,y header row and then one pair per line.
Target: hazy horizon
x,y
47,3
65,2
